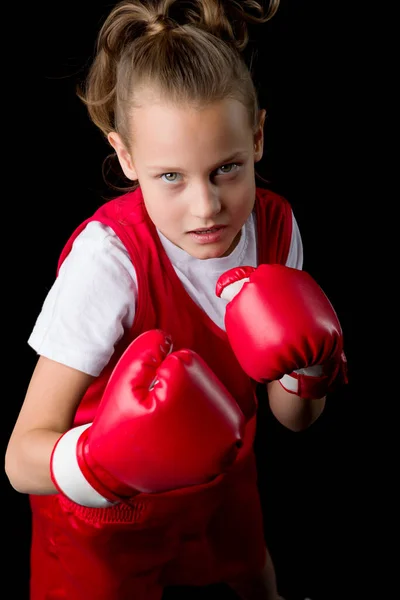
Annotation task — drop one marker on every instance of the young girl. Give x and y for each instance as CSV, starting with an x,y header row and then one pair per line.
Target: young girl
x,y
135,437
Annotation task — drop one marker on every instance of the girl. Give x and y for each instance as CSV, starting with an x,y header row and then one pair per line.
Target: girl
x,y
171,93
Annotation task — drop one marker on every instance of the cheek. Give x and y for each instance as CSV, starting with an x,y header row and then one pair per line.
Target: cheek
x,y
163,211
243,202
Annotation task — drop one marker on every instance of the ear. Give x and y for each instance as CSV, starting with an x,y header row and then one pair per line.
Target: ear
x,y
124,157
259,136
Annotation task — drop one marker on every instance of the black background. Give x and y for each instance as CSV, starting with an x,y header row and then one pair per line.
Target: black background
x,y
309,482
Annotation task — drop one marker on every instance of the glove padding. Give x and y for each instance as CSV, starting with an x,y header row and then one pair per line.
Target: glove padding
x,y
165,421
280,323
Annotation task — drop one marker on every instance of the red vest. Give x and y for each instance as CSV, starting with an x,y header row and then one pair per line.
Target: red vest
x,y
196,536
164,303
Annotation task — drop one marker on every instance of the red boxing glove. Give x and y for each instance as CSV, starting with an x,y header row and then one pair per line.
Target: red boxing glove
x,y
282,326
165,422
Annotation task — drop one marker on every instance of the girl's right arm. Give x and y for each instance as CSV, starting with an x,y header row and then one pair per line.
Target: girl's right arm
x,y
48,410
83,317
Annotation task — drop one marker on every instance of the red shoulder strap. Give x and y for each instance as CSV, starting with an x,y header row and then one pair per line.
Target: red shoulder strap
x,y
274,227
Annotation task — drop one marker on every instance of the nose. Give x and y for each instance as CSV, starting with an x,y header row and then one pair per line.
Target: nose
x,y
204,201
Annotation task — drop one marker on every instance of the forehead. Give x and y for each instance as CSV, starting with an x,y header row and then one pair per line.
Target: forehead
x,y
160,128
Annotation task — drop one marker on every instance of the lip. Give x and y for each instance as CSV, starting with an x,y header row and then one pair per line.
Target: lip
x,y
211,227
214,234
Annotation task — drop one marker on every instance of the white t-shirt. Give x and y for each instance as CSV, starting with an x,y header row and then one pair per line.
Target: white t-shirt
x,y
93,299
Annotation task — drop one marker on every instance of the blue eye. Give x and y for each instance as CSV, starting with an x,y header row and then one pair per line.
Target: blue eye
x,y
167,175
172,177
230,165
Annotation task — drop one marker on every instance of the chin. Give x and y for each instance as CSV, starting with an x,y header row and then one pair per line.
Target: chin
x,y
206,253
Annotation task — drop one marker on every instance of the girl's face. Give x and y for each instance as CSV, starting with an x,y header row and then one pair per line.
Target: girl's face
x,y
195,168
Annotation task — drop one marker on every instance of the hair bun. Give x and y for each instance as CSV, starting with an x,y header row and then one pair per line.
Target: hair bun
x,y
161,23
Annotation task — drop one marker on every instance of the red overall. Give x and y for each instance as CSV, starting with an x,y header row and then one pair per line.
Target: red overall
x,y
195,536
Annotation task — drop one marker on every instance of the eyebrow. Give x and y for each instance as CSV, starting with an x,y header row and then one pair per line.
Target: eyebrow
x,y
168,169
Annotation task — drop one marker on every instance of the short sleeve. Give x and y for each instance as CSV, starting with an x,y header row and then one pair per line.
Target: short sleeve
x,y
295,256
90,305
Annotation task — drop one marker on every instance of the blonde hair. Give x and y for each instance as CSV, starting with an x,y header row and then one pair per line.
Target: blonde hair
x,y
190,52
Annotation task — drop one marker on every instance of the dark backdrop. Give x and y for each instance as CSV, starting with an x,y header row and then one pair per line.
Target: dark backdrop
x,y
309,482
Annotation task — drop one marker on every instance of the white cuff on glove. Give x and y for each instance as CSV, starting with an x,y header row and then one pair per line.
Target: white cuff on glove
x,y
291,384
67,475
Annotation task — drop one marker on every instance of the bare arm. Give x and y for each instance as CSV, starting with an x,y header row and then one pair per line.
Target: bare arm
x,y
48,411
293,412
